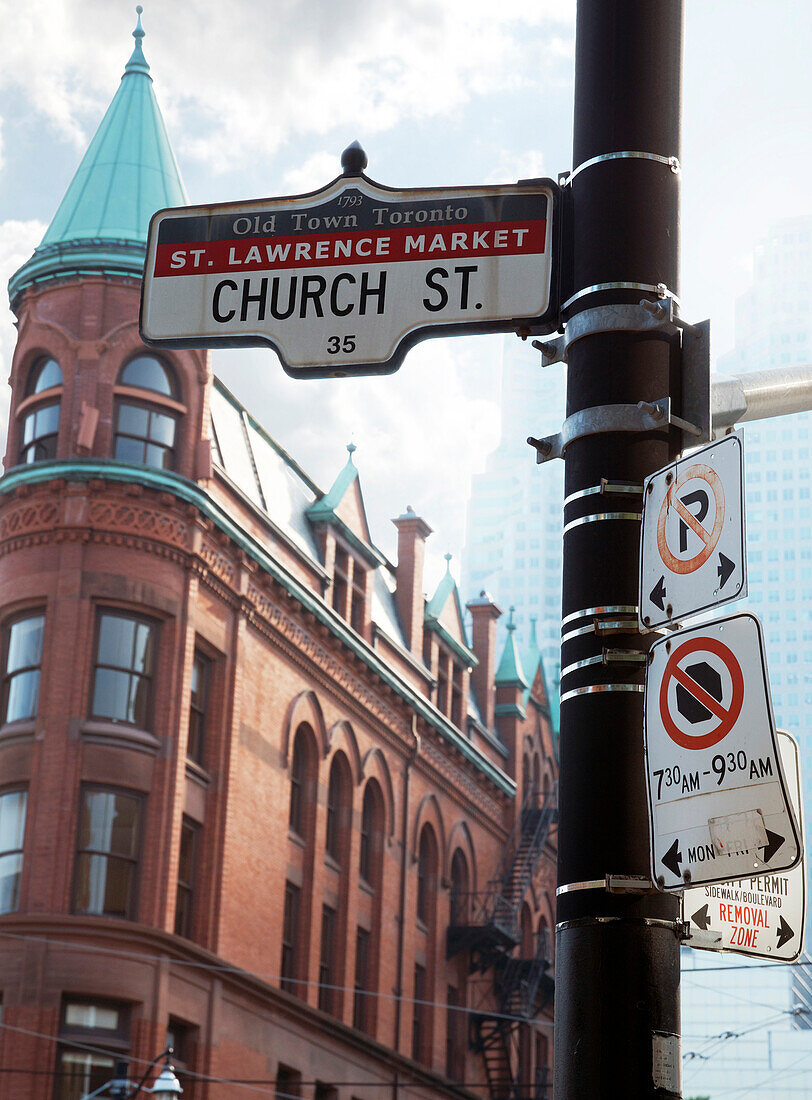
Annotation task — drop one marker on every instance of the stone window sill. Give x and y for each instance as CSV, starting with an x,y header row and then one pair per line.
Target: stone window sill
x,y
128,737
21,730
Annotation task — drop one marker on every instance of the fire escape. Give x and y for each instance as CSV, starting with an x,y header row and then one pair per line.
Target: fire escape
x,y
491,933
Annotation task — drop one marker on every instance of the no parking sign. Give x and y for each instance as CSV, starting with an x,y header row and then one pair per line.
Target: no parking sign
x,y
692,543
718,804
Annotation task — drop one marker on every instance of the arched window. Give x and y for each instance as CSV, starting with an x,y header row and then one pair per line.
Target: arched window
x,y
459,888
147,413
299,768
426,875
371,831
39,425
338,806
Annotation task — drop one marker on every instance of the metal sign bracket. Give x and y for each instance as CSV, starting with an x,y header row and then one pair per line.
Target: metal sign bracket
x,y
645,416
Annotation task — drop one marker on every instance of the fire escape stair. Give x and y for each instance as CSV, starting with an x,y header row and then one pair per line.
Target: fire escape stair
x,y
523,986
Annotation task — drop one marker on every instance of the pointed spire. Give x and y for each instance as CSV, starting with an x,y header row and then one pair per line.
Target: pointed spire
x,y
127,173
137,62
510,673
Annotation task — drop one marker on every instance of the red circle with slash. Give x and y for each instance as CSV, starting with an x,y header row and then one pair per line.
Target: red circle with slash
x,y
709,538
726,715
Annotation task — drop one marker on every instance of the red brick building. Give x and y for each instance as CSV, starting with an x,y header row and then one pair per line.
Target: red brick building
x,y
257,794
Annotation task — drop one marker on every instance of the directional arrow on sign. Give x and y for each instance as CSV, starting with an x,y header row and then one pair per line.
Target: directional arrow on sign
x,y
774,842
701,918
673,858
724,569
785,933
657,594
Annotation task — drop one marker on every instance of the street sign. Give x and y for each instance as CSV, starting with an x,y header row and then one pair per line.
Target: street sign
x,y
692,541
762,915
344,280
718,803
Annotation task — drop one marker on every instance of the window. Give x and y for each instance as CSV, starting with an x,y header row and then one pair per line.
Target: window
x,y
371,818
181,1038
426,873
459,888
455,1037
187,859
100,1025
201,670
327,992
12,828
145,426
124,665
360,1007
23,657
341,581
288,1083
290,930
331,843
419,1014
40,421
298,775
107,853
339,786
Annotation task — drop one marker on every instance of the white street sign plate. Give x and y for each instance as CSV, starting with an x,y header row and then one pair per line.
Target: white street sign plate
x,y
763,915
692,541
718,803
344,280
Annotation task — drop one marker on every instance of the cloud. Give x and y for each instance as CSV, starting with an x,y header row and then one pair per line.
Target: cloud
x,y
312,174
420,432
17,241
246,78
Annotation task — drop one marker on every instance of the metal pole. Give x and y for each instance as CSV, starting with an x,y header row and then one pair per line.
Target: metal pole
x,y
760,394
617,953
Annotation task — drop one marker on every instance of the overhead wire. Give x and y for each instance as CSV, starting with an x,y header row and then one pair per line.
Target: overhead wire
x,y
226,969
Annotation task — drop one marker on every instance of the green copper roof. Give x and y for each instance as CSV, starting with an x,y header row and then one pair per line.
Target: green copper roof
x,y
531,660
510,670
128,172
324,511
434,609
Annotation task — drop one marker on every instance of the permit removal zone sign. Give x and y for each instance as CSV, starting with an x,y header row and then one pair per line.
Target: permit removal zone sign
x,y
718,802
344,280
692,541
763,915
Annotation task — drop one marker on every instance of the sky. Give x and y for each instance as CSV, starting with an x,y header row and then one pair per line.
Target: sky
x,y
261,98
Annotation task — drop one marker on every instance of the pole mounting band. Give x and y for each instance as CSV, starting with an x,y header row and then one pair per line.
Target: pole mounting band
x,y
660,289
607,488
672,162
604,609
607,657
598,517
604,626
595,689
619,884
676,927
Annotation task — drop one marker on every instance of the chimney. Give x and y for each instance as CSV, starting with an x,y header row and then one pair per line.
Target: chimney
x,y
412,535
484,614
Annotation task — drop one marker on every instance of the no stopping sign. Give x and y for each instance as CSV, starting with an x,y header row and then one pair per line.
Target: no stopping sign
x,y
718,803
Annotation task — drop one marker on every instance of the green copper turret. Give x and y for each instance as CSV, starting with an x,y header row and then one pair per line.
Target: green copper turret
x,y
128,172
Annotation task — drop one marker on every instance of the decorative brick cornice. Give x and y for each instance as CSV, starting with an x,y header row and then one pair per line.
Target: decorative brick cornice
x,y
165,499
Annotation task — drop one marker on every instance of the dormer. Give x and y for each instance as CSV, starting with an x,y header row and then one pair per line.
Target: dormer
x,y
348,555
446,650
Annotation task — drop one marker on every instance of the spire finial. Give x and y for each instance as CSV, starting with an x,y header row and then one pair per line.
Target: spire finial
x,y
137,62
511,626
352,449
448,558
